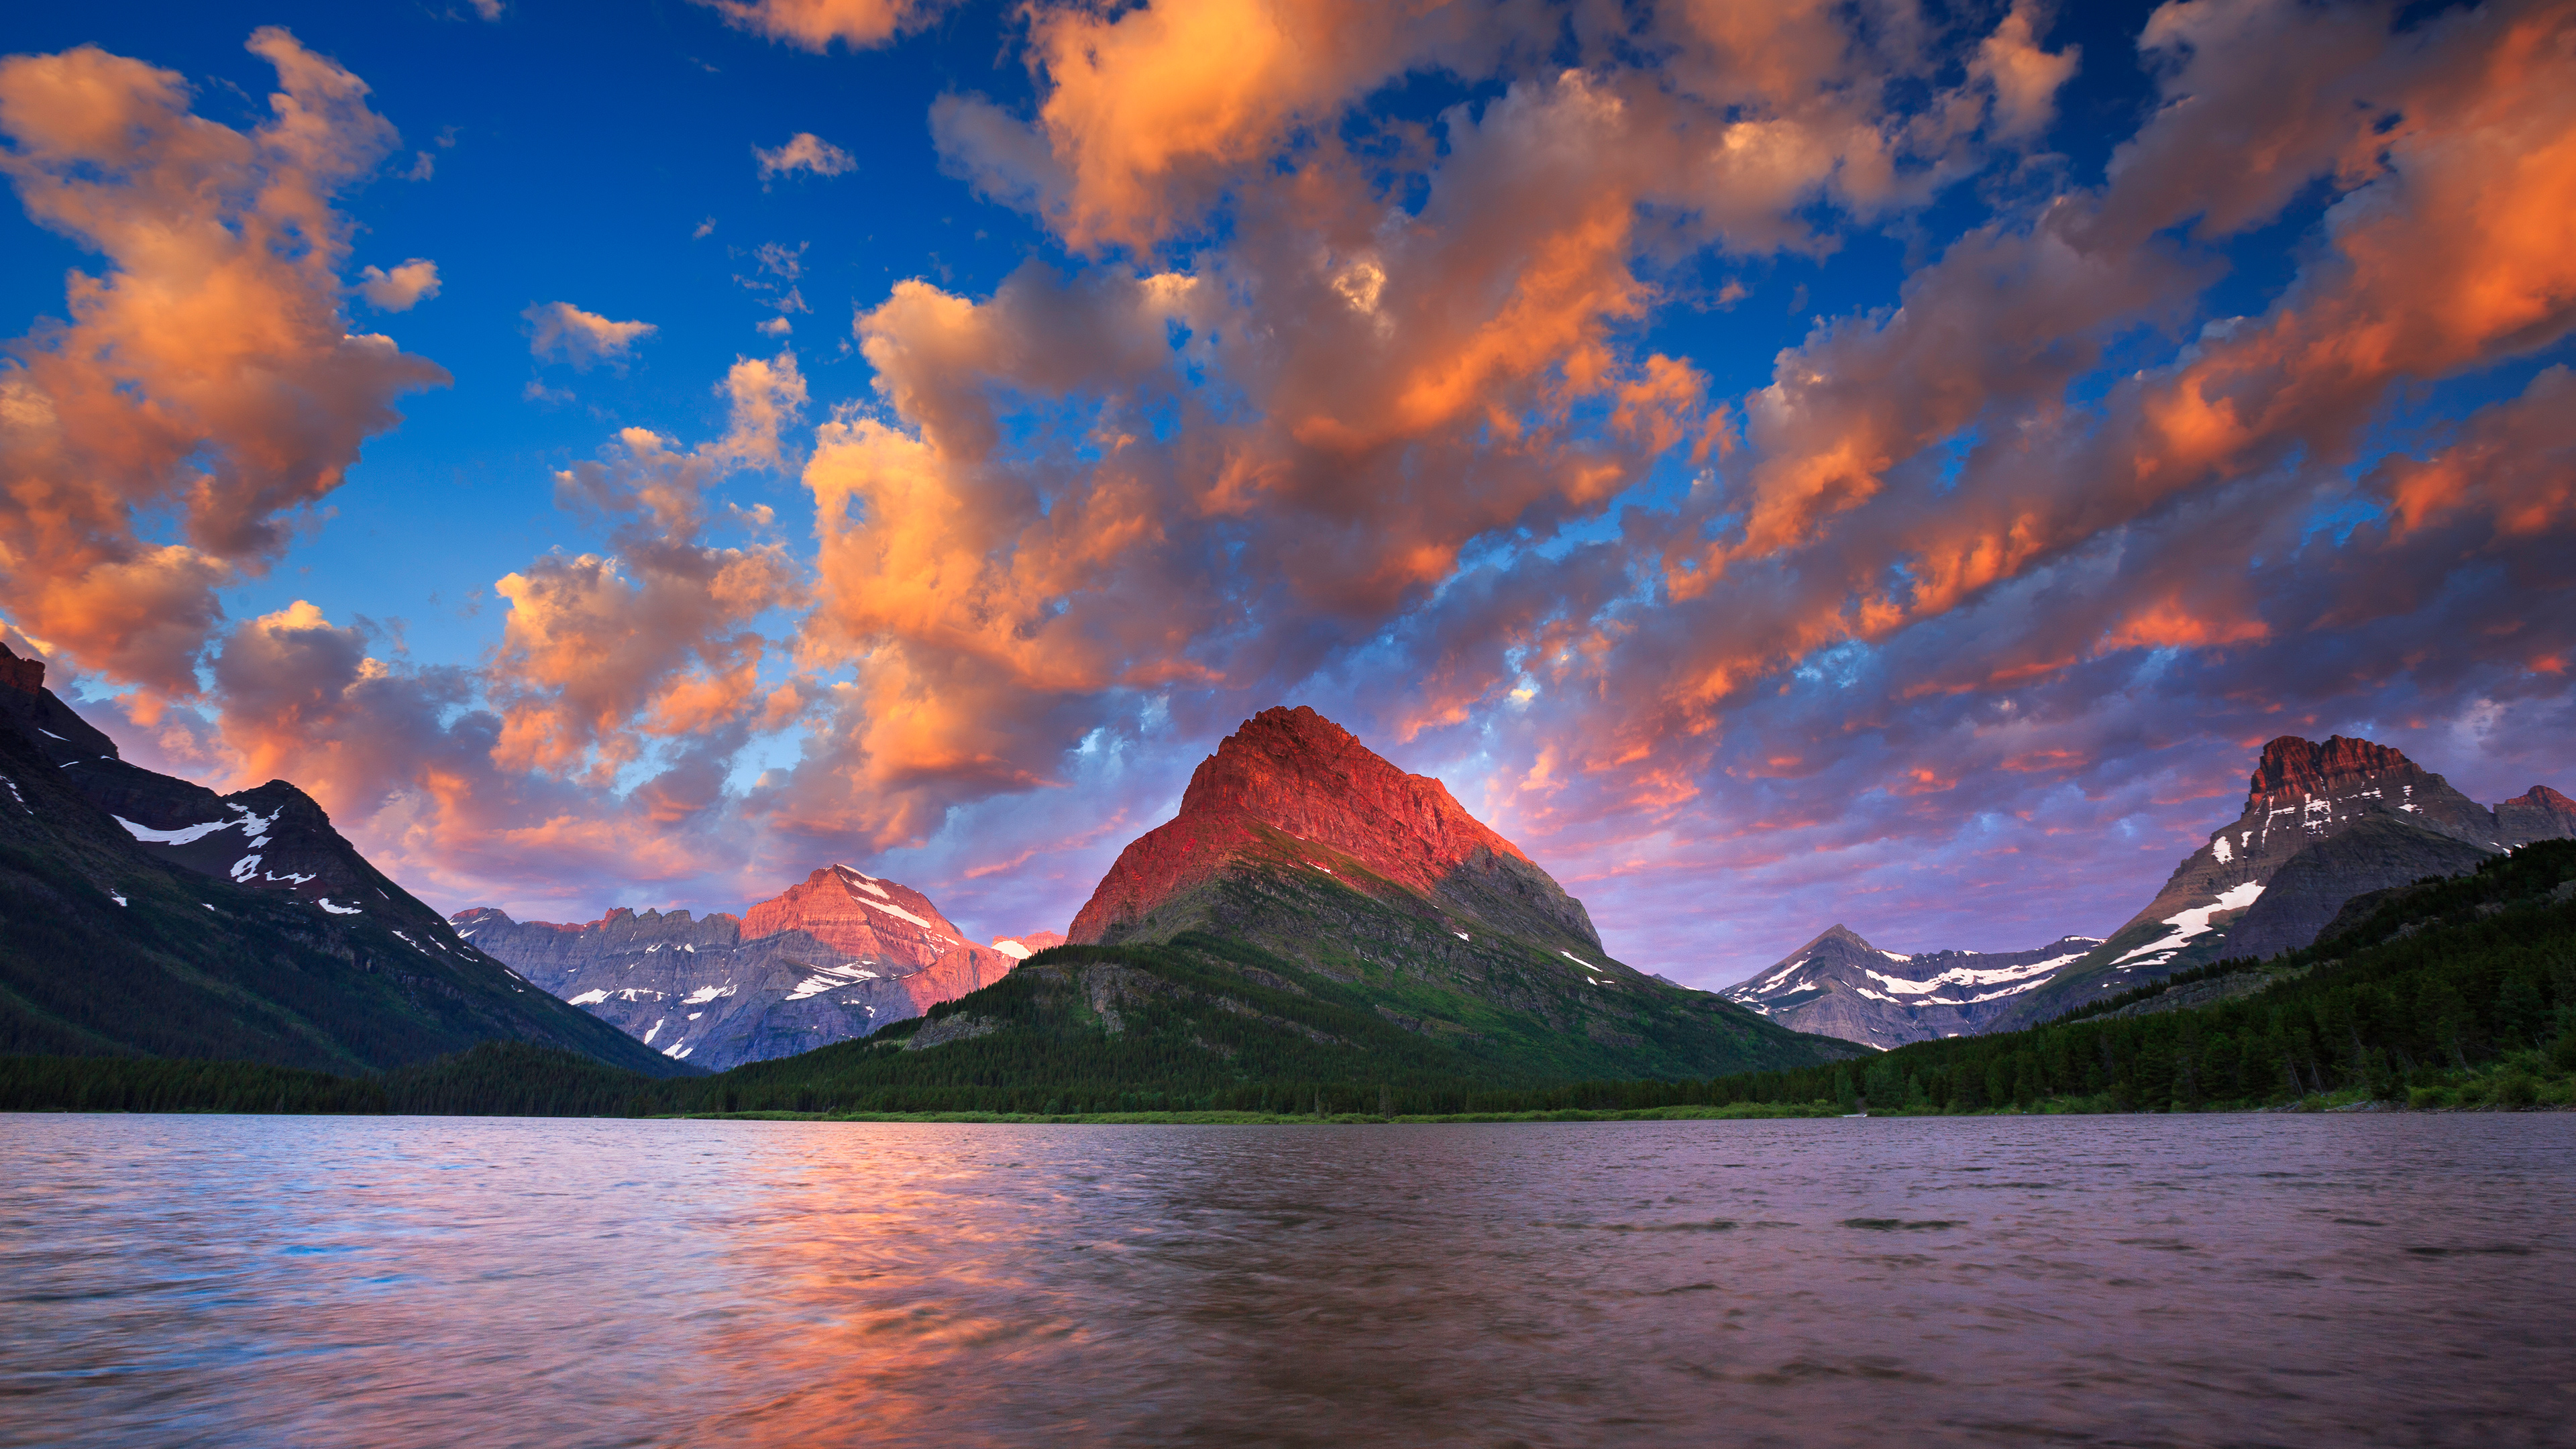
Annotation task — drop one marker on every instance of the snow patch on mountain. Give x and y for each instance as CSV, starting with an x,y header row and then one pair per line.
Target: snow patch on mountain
x,y
2192,922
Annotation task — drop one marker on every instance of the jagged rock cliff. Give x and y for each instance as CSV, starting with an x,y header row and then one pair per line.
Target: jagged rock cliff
x,y
835,956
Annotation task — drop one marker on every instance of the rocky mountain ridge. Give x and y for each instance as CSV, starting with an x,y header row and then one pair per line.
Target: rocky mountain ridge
x,y
833,957
2302,800
2322,823
1840,985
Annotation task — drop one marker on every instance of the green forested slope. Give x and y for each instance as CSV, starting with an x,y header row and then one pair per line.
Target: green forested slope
x,y
1203,1022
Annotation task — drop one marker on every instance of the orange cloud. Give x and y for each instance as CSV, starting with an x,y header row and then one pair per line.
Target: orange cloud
x,y
208,371
805,151
814,24
602,652
2516,462
400,289
581,338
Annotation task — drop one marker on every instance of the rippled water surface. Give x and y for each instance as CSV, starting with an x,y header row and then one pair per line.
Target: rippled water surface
x,y
436,1281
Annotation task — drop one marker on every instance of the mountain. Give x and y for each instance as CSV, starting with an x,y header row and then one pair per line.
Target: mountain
x,y
2538,813
1840,985
1302,863
1028,943
1294,772
145,915
2356,817
2376,852
835,956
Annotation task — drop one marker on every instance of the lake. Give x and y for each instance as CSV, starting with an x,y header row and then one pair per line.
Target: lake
x,y
2291,1280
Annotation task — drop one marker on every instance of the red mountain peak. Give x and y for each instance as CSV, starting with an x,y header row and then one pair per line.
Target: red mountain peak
x,y
855,912
2293,768
1301,772
1294,770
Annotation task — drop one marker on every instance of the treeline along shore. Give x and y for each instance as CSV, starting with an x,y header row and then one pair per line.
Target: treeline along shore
x,y
2458,992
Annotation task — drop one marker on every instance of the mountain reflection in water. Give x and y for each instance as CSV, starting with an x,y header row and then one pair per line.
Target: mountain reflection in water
x,y
438,1281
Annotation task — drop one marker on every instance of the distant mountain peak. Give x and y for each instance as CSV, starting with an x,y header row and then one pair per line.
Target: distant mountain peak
x,y
2538,813
1028,943
863,915
2323,822
834,956
1838,984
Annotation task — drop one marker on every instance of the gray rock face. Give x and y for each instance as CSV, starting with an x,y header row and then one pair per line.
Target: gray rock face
x,y
2538,813
695,991
1840,985
2373,855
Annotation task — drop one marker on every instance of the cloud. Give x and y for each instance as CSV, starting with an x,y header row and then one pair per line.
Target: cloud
x,y
1959,626
400,289
208,374
581,338
602,653
804,151
814,24
2025,78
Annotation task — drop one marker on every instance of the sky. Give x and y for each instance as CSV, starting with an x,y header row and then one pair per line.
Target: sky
x,y
1779,463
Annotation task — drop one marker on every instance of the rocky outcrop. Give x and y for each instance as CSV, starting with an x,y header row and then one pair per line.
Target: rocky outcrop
x,y
2302,796
833,957
1840,985
1294,771
2376,853
2538,813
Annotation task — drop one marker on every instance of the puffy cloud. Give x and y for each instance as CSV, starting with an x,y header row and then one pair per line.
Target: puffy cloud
x,y
814,24
804,151
1151,111
595,744
2515,462
2025,78
209,372
400,289
602,653
581,338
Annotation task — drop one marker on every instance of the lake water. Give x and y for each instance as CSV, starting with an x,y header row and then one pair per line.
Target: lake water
x,y
438,1281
